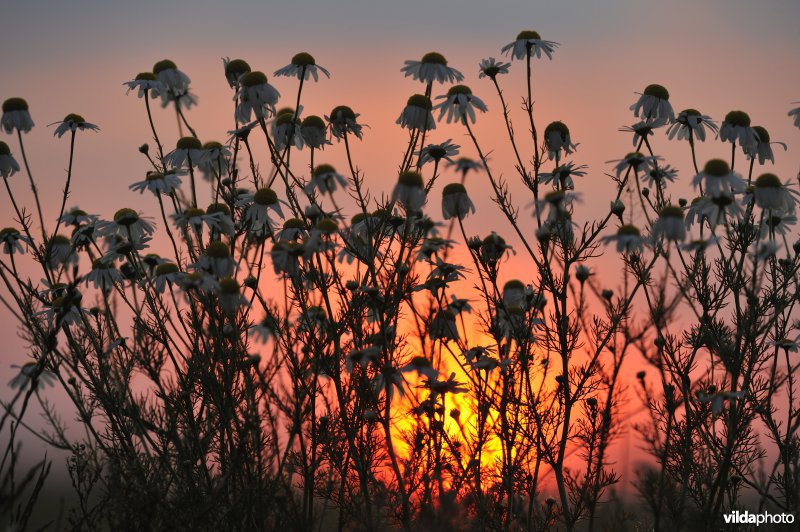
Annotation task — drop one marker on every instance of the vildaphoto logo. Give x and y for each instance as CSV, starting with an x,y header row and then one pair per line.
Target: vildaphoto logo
x,y
764,518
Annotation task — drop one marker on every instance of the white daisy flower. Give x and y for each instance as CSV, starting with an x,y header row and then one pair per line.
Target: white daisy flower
x,y
628,239
214,161
234,69
717,178
465,165
422,366
342,121
175,84
188,152
436,152
490,68
670,224
198,280
265,329
145,83
158,183
777,225
558,203
76,216
641,130
515,295
561,176
736,128
103,275
73,122
241,133
459,103
432,67
653,104
127,224
639,163
443,326
771,194
456,202
230,295
64,309
302,66
293,229
718,209
286,130
410,191
556,138
325,179
16,116
8,165
60,252
699,245
690,123
493,248
216,260
314,132
166,275
264,201
529,42
285,257
256,96
659,175
30,371
218,219
11,240
417,114
190,218
763,147
795,113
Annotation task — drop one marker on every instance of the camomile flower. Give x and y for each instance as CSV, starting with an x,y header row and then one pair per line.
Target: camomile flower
x,y
736,128
103,275
490,68
302,66
777,225
717,209
145,83
32,373
653,104
166,275
557,138
216,260
214,160
641,130
410,191
763,147
417,114
314,132
638,162
16,116
422,366
175,84
128,224
325,179
342,120
218,219
59,252
76,216
158,183
188,152
699,245
230,295
456,202
73,122
670,224
286,130
492,248
771,194
795,113
459,103
628,239
464,165
286,256
659,175
293,229
717,178
717,400
561,175
256,96
11,240
241,133
558,202
64,309
443,326
787,344
234,69
264,202
690,123
436,152
432,67
8,165
529,42
515,294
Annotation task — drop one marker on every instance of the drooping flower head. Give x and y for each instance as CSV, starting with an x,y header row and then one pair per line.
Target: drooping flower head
x,y
73,122
717,178
16,116
417,114
314,132
763,147
343,120
628,239
736,128
325,179
188,152
456,202
670,224
459,104
771,194
529,42
303,66
557,138
256,96
653,105
410,191
432,67
175,84
8,165
690,123
145,83
235,69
